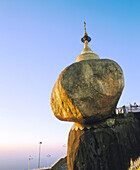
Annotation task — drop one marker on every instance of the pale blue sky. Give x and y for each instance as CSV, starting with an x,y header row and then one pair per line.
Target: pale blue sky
x,y
38,39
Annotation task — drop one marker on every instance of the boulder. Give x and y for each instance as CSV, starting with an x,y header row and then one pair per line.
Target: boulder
x,y
105,147
87,91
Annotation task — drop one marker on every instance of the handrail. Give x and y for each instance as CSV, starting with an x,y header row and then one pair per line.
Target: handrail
x,y
128,109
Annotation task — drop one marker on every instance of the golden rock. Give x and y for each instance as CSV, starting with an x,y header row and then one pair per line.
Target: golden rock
x,y
87,91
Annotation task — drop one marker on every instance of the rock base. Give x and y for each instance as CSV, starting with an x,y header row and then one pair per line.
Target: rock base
x,y
106,147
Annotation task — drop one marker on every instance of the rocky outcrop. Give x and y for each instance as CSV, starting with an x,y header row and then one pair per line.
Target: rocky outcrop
x,y
87,91
108,145
60,165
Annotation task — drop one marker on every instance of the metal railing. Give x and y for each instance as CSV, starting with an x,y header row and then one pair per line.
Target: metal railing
x,y
134,108
128,109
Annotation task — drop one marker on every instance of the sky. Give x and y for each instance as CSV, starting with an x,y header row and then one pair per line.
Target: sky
x,y
38,40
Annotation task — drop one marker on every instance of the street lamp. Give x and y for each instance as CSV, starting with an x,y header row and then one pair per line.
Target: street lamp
x,y
39,154
29,162
64,146
48,156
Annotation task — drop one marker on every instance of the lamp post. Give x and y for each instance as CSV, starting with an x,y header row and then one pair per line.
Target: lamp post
x,y
29,162
48,156
39,155
64,146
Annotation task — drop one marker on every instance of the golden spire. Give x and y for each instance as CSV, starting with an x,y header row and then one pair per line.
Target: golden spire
x,y
87,53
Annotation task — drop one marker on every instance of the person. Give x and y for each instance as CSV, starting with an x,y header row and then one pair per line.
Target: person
x,y
124,110
135,104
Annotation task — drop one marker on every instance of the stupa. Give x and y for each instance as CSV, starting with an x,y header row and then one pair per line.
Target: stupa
x,y
87,91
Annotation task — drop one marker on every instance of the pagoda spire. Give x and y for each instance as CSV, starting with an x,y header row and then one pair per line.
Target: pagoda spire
x,y
87,53
85,37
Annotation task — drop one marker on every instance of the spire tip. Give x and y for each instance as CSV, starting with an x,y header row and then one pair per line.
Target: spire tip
x,y
85,37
